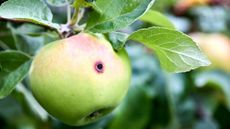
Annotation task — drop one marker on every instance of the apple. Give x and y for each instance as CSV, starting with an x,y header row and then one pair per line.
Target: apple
x,y
216,47
80,79
183,5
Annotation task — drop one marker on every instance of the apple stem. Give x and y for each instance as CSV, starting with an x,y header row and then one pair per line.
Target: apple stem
x,y
74,19
68,11
71,27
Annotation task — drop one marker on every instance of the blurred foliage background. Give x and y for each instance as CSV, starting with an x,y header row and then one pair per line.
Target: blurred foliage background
x,y
199,99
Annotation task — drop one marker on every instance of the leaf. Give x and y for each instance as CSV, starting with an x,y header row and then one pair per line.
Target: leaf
x,y
203,14
221,115
207,123
134,111
57,3
85,4
15,66
30,102
175,50
90,0
6,37
157,18
30,38
121,14
117,39
35,11
219,80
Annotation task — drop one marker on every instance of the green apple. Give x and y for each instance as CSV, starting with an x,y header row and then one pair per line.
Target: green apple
x,y
80,79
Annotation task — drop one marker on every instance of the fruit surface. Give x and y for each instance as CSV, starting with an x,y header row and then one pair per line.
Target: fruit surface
x,y
183,5
80,79
216,47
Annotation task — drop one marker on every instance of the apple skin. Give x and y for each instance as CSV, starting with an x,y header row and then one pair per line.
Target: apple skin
x,y
216,47
184,5
80,79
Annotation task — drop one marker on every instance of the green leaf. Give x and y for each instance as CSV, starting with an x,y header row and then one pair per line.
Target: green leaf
x,y
221,115
29,102
207,123
133,113
57,3
85,4
15,66
176,51
6,37
116,14
29,38
117,39
35,11
90,0
157,18
218,80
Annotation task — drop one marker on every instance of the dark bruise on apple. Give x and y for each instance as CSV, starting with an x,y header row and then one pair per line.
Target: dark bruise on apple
x,y
80,79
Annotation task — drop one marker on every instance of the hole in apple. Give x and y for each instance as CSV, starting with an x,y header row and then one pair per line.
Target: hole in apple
x,y
94,115
98,113
99,67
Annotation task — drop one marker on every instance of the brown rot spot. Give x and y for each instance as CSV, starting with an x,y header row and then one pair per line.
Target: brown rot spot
x,y
94,115
99,67
98,113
